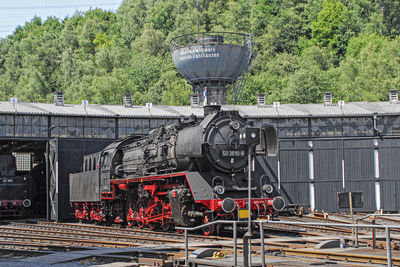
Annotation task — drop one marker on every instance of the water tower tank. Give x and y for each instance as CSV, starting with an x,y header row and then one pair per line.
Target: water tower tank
x,y
212,61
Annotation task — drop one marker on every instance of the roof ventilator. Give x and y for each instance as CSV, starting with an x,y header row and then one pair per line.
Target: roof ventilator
x,y
261,100
149,105
128,101
341,103
59,98
194,100
276,104
393,96
327,98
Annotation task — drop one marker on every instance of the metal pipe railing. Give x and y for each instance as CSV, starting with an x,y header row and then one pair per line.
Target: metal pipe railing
x,y
373,215
235,242
264,222
235,223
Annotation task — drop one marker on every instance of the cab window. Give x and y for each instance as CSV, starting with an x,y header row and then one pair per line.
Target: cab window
x,y
105,160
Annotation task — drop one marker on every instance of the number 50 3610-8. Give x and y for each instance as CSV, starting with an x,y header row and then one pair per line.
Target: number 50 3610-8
x,y
232,153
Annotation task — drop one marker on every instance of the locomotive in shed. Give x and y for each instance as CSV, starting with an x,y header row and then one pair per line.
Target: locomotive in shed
x,y
16,189
191,172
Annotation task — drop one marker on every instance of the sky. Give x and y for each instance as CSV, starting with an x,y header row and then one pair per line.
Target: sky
x,y
17,12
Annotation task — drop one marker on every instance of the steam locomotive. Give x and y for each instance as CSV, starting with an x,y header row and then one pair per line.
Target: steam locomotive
x,y
16,190
185,174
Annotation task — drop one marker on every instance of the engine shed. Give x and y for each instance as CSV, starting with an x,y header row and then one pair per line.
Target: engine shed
x,y
323,148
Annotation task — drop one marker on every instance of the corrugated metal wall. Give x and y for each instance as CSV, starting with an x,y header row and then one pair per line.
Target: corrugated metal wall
x,y
293,181
294,171
70,160
389,152
346,154
328,155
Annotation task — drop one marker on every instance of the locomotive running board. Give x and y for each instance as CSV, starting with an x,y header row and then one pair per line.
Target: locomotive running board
x,y
199,187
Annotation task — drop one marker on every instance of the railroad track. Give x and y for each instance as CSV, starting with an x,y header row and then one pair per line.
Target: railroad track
x,y
342,256
318,229
46,236
92,235
130,231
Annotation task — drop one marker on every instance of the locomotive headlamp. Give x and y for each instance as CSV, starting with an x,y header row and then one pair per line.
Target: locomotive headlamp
x,y
235,125
219,189
27,203
267,188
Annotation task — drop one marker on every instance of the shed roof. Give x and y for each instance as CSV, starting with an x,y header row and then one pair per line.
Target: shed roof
x,y
163,111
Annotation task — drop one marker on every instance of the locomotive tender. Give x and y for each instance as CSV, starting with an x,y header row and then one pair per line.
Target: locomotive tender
x,y
191,172
183,174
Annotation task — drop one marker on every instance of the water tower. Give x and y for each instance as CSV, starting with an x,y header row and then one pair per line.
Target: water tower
x,y
211,62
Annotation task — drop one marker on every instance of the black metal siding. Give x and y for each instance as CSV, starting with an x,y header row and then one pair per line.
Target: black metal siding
x,y
328,156
325,195
295,192
70,160
359,160
368,189
390,195
389,151
293,157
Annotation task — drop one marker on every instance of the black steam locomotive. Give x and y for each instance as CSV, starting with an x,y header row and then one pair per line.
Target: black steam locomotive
x,y
16,189
184,174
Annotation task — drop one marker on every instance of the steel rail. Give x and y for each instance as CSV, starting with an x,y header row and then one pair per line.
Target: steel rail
x,y
126,238
373,259
130,230
69,240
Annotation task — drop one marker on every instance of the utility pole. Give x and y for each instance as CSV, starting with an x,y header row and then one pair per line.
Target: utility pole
x,y
250,137
248,235
383,17
197,11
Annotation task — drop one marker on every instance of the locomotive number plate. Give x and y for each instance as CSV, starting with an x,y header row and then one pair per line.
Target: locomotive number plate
x,y
232,153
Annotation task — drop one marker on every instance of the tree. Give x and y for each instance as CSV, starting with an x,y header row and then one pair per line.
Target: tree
x,y
311,79
332,28
302,48
131,18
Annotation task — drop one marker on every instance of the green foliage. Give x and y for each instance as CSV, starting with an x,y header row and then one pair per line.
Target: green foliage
x,y
302,49
331,29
